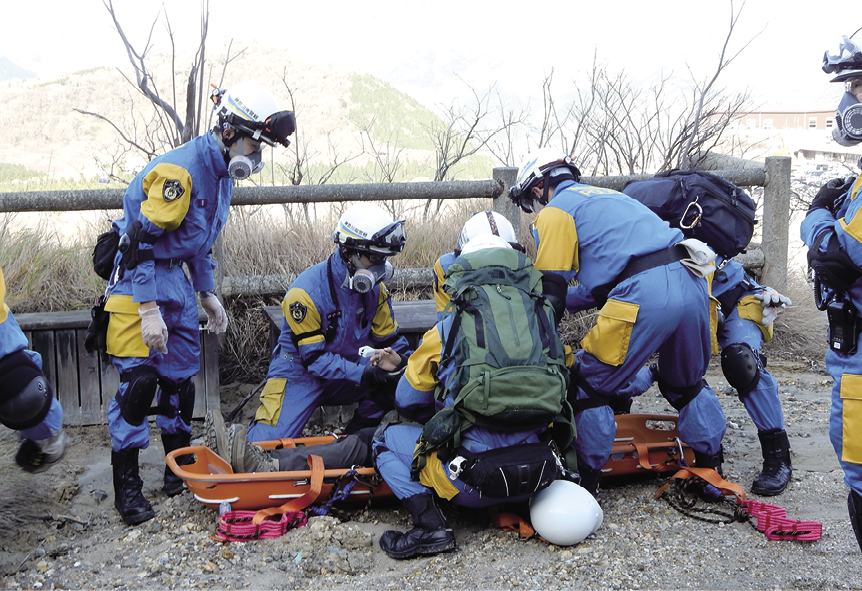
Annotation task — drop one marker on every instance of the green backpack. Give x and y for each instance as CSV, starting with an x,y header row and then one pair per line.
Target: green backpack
x,y
510,363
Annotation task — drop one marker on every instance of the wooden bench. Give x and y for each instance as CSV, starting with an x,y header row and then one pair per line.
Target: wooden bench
x,y
414,319
85,382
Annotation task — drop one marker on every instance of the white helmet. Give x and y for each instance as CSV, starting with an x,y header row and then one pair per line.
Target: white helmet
x,y
484,241
486,222
564,513
848,62
544,163
369,229
251,109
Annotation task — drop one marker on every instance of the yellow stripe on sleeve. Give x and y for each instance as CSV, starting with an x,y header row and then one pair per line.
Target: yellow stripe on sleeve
x,y
422,366
558,241
383,324
4,309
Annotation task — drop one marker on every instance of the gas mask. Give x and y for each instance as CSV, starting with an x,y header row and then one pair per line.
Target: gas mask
x,y
848,121
241,166
362,280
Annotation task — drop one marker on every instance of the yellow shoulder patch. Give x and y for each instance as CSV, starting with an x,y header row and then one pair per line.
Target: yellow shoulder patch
x,y
301,314
558,241
169,190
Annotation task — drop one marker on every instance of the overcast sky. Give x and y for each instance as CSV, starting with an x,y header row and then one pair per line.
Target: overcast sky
x,y
526,39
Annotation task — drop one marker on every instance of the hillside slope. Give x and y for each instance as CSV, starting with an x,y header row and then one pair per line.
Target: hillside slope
x,y
332,104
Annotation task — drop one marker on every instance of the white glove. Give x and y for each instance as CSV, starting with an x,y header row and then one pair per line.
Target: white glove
x,y
216,317
771,301
153,330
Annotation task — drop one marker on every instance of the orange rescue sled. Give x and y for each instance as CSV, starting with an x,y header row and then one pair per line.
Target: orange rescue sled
x,y
212,480
646,443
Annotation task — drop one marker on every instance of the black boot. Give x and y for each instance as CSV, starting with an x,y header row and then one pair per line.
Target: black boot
x,y
171,441
854,505
589,478
706,491
128,496
430,534
776,472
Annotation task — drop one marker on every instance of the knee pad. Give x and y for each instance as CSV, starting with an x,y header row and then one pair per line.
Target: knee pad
x,y
185,391
135,402
741,366
25,394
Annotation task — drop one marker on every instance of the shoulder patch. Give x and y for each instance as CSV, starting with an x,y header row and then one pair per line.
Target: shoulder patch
x,y
298,311
172,190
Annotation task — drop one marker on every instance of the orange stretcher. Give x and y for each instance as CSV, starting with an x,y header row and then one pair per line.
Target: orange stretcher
x,y
646,443
212,481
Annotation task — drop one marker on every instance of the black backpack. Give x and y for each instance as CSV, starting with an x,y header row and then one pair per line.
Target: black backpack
x,y
702,205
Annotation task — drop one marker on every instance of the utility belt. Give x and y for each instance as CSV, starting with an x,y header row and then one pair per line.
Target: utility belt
x,y
507,472
169,263
637,265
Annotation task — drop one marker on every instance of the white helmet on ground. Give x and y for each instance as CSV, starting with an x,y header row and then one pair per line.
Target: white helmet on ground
x,y
485,241
369,229
486,222
253,111
537,167
564,513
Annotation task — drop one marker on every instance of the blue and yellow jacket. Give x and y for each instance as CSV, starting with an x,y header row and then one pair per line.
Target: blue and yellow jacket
x,y
592,233
182,198
310,316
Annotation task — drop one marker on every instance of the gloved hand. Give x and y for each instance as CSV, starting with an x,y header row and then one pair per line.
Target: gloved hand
x,y
373,376
153,329
771,301
828,193
216,317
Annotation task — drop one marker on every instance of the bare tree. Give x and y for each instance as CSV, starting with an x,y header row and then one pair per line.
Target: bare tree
x,y
178,112
616,127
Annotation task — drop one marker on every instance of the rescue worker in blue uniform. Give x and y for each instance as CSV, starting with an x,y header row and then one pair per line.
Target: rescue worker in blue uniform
x,y
173,212
331,310
832,230
749,310
394,444
649,285
27,402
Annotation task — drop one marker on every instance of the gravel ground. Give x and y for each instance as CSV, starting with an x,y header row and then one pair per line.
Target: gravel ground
x,y
60,530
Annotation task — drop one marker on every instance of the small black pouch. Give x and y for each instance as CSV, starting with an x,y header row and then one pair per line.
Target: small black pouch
x,y
507,472
97,332
104,253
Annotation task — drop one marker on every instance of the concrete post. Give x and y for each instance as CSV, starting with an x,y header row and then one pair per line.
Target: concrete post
x,y
776,222
507,175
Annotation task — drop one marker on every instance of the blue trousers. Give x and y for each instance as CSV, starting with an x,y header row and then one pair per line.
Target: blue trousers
x,y
178,305
845,418
672,320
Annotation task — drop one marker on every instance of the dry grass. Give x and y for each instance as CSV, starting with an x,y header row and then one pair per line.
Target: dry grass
x,y
46,272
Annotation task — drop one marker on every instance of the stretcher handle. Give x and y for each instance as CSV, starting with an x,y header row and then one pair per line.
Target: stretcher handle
x,y
300,503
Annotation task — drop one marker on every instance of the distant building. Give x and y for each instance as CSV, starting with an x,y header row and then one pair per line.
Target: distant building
x,y
790,120
807,134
